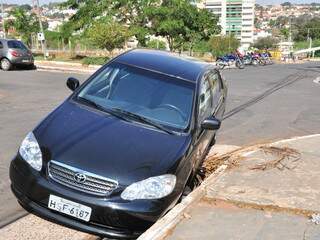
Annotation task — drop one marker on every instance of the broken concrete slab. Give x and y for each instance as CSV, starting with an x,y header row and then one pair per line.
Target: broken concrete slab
x,y
296,186
222,220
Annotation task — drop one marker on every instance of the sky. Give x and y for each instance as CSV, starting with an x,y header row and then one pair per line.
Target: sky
x,y
258,1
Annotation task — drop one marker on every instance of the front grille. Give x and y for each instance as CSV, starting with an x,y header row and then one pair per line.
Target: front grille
x,y
91,183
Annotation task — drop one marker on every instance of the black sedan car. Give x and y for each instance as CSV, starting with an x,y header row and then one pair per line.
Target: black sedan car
x,y
124,147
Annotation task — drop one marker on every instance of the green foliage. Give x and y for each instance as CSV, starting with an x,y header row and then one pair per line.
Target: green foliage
x,y
25,24
178,21
305,44
107,34
53,39
202,47
156,44
314,30
95,60
266,42
285,32
221,45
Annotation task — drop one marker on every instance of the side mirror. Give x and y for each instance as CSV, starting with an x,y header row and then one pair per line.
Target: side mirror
x,y
73,83
211,123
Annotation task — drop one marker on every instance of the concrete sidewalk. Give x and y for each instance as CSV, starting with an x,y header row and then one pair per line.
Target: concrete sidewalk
x,y
265,192
66,67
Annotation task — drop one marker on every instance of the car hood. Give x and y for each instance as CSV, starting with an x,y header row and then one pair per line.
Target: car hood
x,y
93,141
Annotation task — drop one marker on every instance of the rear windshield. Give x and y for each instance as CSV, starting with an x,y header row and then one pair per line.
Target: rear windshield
x,y
16,44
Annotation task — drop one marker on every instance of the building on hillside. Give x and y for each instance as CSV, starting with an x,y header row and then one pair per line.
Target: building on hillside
x,y
235,17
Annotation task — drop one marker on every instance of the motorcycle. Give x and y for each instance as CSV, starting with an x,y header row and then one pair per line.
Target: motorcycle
x,y
228,60
250,59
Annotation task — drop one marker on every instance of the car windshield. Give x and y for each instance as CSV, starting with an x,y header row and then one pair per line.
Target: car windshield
x,y
17,45
156,97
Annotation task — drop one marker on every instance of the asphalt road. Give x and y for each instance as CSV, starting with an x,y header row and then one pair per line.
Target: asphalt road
x,y
264,104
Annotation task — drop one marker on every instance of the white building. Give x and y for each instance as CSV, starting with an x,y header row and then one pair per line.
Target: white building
x,y
235,17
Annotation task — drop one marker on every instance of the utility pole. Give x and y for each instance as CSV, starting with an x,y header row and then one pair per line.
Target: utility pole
x,y
2,16
42,38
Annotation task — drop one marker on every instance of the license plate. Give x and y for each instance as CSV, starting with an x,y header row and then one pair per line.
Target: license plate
x,y
25,61
70,208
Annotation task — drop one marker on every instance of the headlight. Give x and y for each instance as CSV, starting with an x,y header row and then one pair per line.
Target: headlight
x,y
30,151
151,188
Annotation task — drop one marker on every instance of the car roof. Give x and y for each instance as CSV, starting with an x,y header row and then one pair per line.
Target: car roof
x,y
165,62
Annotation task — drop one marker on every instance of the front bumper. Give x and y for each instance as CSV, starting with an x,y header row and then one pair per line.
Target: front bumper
x,y
111,217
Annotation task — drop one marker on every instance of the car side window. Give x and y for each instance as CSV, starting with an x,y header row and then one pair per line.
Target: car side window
x,y
206,100
1,45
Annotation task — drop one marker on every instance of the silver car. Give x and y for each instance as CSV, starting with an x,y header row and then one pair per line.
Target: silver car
x,y
15,53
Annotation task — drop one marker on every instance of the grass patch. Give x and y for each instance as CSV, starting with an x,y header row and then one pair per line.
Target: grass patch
x,y
94,60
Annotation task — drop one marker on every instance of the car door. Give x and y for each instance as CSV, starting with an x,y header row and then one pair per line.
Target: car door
x,y
209,94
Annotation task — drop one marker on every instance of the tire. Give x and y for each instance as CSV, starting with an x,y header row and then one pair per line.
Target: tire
x,y
239,65
262,62
220,64
5,64
255,62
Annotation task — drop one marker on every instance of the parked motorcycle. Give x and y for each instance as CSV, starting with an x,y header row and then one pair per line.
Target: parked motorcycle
x,y
250,59
229,60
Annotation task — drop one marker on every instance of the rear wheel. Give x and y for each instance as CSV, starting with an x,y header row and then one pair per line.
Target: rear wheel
x,y
5,64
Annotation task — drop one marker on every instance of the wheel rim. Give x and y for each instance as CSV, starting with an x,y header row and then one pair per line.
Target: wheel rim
x,y
5,64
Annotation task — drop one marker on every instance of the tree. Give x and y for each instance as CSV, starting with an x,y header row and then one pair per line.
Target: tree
x,y
266,42
286,4
285,32
176,20
221,45
108,34
312,26
25,24
156,44
131,13
179,21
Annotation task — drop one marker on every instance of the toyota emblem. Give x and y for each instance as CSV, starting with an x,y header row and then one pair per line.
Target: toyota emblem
x,y
80,177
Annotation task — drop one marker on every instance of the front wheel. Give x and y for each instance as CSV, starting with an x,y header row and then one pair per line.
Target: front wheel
x,y
5,64
255,62
220,64
239,65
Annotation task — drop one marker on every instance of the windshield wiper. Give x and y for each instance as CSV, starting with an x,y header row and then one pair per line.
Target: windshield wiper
x,y
103,109
123,114
142,119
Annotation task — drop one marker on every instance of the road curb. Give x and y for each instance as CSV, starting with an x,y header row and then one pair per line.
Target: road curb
x,y
66,70
163,226
66,67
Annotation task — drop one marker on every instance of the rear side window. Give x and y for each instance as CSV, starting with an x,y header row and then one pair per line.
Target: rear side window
x,y
206,100
16,44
